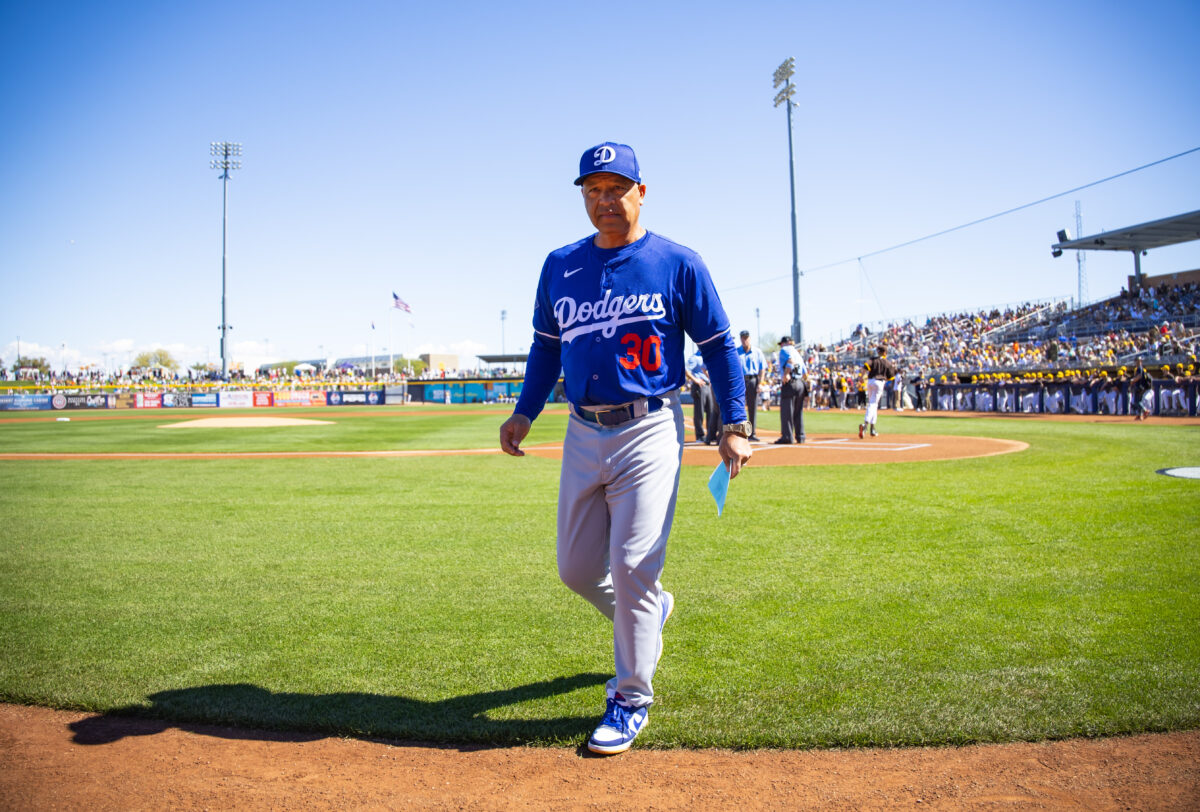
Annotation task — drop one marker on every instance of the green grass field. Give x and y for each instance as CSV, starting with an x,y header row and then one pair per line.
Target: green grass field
x,y
1044,594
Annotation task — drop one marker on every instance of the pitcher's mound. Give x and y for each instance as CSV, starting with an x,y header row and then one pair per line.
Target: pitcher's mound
x,y
244,423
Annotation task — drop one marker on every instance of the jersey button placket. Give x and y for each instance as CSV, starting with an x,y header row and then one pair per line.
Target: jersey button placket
x,y
605,283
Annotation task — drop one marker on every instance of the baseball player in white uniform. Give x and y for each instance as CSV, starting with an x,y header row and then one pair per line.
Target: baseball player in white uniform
x,y
878,371
612,313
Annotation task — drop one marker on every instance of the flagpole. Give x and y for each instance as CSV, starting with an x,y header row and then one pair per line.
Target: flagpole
x,y
372,350
391,347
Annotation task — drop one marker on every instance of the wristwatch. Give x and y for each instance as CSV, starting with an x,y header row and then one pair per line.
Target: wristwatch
x,y
740,429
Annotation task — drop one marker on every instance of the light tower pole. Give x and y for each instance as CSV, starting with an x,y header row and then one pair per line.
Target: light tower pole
x,y
783,76
1082,291
224,155
503,316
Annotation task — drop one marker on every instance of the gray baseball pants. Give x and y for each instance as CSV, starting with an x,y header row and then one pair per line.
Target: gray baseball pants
x,y
616,501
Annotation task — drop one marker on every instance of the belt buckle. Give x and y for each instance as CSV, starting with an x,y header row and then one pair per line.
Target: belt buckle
x,y
620,414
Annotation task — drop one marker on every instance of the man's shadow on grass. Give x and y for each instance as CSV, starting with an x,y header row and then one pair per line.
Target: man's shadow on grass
x,y
262,715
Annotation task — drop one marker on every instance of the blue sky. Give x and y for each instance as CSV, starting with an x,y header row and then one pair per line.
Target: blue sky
x,y
429,149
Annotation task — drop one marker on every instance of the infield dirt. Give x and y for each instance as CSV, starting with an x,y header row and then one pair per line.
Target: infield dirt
x,y
61,760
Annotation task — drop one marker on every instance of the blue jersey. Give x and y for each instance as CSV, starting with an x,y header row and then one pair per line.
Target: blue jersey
x,y
617,319
789,356
753,360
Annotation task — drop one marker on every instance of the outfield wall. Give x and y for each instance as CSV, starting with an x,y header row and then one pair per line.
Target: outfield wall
x,y
439,391
234,399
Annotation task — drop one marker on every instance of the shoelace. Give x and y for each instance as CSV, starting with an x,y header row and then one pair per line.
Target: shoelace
x,y
616,716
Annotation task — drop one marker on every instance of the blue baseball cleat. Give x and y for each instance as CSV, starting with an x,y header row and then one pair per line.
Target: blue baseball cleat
x,y
619,727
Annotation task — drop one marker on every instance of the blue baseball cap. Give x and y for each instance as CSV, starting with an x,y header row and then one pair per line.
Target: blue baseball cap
x,y
609,157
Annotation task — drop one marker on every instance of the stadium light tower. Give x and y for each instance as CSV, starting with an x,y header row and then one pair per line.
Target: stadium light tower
x,y
1079,258
224,157
783,76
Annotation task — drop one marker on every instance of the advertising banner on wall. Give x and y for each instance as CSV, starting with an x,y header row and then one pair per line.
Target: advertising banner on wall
x,y
204,399
302,397
177,400
263,398
135,400
395,394
25,403
235,400
81,401
372,397
444,393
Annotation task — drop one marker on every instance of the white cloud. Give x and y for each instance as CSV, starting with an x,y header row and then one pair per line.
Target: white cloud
x,y
120,345
119,353
467,351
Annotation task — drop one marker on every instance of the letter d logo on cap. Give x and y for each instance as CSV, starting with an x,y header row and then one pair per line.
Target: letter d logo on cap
x,y
609,156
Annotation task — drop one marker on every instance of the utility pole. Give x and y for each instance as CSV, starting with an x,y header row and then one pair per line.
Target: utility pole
x,y
224,155
1079,259
783,76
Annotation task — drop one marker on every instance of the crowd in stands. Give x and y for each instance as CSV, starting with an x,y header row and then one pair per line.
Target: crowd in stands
x,y
1162,323
1046,344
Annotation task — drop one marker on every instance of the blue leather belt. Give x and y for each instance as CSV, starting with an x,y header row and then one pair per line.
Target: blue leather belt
x,y
617,415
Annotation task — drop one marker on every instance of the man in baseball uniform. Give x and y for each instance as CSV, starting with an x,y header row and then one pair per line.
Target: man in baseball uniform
x,y
878,370
612,314
1142,392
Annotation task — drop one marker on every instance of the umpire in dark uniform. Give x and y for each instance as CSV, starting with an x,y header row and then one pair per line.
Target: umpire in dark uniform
x,y
706,414
791,393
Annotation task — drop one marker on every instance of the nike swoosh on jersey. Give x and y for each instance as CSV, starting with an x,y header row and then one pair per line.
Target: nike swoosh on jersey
x,y
568,273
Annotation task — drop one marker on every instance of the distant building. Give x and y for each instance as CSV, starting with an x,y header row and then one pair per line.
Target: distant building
x,y
440,362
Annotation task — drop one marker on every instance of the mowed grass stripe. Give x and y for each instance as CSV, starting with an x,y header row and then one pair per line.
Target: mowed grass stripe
x,y
1043,594
431,428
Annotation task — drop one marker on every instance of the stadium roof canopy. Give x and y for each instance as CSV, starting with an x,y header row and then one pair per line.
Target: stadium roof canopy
x,y
1156,234
510,358
1138,239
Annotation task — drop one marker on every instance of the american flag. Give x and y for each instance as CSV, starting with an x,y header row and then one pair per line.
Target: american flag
x,y
400,304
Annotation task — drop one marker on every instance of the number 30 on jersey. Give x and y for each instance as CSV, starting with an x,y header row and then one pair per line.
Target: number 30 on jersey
x,y
641,352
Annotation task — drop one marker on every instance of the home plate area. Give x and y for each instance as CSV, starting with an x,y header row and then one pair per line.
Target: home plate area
x,y
840,449
871,447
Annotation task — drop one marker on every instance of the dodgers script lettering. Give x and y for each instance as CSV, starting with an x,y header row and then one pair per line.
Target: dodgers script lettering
x,y
606,314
